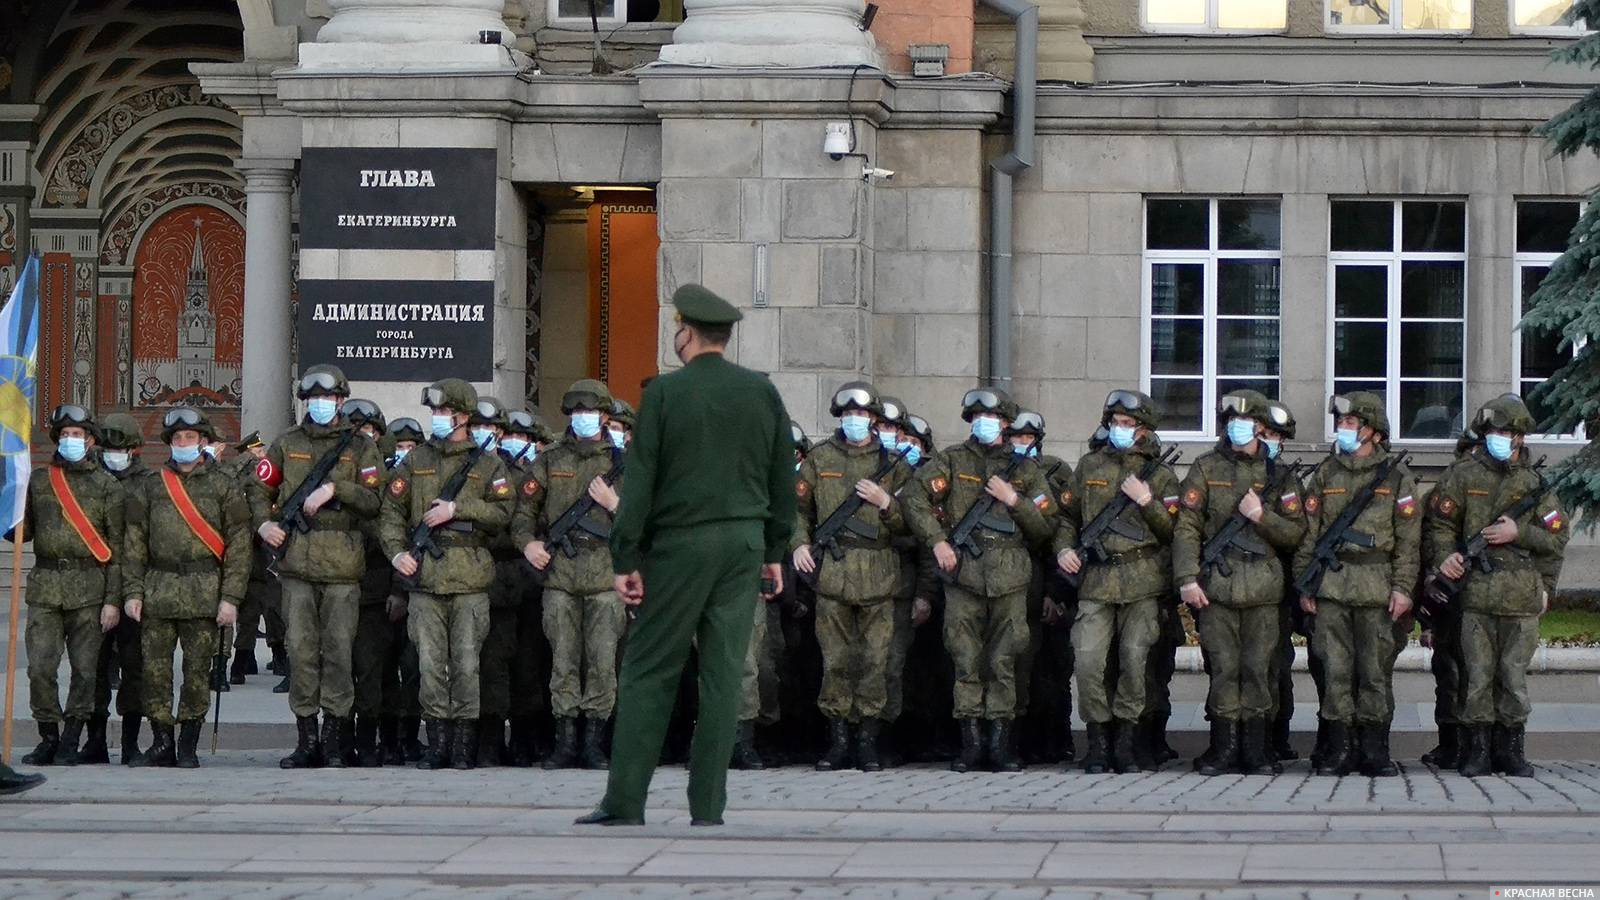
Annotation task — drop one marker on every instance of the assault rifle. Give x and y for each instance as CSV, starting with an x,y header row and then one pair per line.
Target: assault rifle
x,y
576,518
423,544
1091,541
1475,550
293,519
1237,531
825,539
1325,556
964,537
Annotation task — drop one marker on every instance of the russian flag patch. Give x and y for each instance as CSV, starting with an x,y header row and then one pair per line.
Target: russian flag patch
x,y
1554,521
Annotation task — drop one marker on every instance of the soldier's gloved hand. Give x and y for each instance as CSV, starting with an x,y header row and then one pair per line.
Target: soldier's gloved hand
x,y
945,556
1308,605
272,534
1399,605
227,614
439,513
134,607
318,499
604,494
537,554
1137,491
1194,595
803,560
921,611
1001,490
1503,531
110,617
396,607
405,564
1069,561
1249,507
1454,566
873,493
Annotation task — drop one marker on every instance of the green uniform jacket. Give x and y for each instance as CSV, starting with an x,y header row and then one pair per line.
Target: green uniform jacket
x,y
1468,498
953,482
559,478
1211,493
332,552
1057,474
377,582
919,571
870,568
684,426
1144,569
483,507
86,583
1393,519
168,566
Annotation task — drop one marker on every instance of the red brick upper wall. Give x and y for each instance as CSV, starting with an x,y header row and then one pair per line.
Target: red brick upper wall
x,y
901,23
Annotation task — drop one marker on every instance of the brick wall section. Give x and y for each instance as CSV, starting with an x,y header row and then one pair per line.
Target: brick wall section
x,y
901,23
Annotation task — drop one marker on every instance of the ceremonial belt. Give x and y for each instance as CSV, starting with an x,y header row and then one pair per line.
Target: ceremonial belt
x,y
191,516
77,517
1132,556
1364,557
66,564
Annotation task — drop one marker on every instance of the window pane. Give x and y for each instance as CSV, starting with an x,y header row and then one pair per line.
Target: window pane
x,y
1358,12
1430,350
1362,225
1175,347
1430,409
1361,292
1543,225
1180,400
1175,12
1177,289
1532,277
1248,287
1359,349
1267,386
1540,358
1247,346
1351,386
1540,13
1542,413
1258,14
606,9
1433,227
1432,290
1178,225
1436,15
1248,224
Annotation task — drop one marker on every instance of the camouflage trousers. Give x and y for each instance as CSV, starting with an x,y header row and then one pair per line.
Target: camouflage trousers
x,y
584,633
1161,663
1131,630
855,640
1447,667
984,636
448,631
121,650
322,632
51,633
1356,645
1239,643
377,664
161,637
750,688
899,651
1497,651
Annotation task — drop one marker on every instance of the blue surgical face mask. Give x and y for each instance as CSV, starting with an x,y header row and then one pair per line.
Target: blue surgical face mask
x,y
986,429
1498,445
586,424
1241,432
1348,439
619,438
1273,448
322,409
889,441
72,449
400,455
1122,436
484,437
513,446
441,425
1025,450
855,428
117,460
183,456
913,453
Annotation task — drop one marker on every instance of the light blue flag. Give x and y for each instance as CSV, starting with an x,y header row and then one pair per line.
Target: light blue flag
x,y
19,357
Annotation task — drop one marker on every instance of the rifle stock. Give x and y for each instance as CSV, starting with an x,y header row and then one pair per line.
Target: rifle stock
x,y
961,538
1091,547
423,544
825,539
1325,556
1214,554
293,519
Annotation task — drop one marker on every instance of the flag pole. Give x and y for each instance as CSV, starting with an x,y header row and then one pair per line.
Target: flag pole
x,y
11,639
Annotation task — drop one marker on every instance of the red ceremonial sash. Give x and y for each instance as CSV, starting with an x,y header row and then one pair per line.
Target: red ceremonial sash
x,y
191,516
79,519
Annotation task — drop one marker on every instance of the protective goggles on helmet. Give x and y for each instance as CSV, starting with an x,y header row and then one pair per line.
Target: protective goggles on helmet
x,y
1127,400
520,422
859,398
797,434
1340,406
572,400
486,411
1235,405
1028,422
918,426
1277,417
982,398
1493,419
893,411
181,417
405,423
360,411
319,383
433,397
69,414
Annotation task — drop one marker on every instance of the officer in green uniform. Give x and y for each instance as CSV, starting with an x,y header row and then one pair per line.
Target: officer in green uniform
x,y
1236,600
250,451
1440,626
121,443
448,613
855,578
188,562
985,623
1500,602
487,426
321,570
706,515
526,434
1359,603
74,517
1119,597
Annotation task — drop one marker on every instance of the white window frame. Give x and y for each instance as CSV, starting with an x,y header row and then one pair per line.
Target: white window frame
x,y
1526,260
1208,317
1209,26
1394,27
1395,260
619,16
1576,29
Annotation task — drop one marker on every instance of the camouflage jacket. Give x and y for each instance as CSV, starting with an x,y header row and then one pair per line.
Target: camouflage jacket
x,y
1211,493
919,573
1470,494
332,551
559,478
1141,567
166,565
377,581
67,575
869,569
483,507
1393,519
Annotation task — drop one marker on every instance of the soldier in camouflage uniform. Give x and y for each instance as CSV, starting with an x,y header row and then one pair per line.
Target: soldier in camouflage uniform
x,y
619,428
1237,599
1359,604
855,579
121,443
526,437
74,517
320,571
183,579
1277,427
985,624
1500,608
488,425
583,616
918,577
372,676
384,659
1118,598
251,449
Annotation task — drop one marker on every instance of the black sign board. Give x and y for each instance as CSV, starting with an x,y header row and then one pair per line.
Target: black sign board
x,y
399,330
397,198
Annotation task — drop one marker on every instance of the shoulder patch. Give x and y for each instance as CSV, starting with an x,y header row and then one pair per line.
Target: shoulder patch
x,y
1406,506
1043,502
1171,503
1290,502
501,487
1191,498
398,487
1444,505
801,487
1066,498
1313,504
938,485
1554,521
268,473
530,487
369,476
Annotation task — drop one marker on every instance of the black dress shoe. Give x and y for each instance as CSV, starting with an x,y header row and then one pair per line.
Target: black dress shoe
x,y
704,822
601,817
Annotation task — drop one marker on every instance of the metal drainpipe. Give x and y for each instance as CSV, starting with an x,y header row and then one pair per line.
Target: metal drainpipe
x,y
1024,93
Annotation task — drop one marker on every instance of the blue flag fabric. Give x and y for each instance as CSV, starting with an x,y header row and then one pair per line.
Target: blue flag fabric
x,y
19,357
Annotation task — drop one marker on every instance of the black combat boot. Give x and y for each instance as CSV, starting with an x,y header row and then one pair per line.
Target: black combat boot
x,y
744,749
1223,757
1002,756
1144,753
281,687
390,750
1375,761
238,670
248,657
1282,749
94,752
971,747
594,744
12,782
522,749
1161,752
1475,751
1509,751
1096,750
437,753
162,753
867,746
1339,759
465,754
307,751
71,733
1447,753
564,752
1319,749
1253,756
130,739
189,743
491,741
1123,758
412,748
838,755
364,750
280,659
335,738
888,750
49,746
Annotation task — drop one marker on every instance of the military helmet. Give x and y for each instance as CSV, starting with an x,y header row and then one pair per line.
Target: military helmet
x,y
322,379
586,393
1280,418
186,418
406,428
450,393
798,435
364,412
1506,412
622,411
120,431
987,400
71,415
488,411
1136,404
855,395
919,428
1028,422
1100,438
528,422
1364,405
894,411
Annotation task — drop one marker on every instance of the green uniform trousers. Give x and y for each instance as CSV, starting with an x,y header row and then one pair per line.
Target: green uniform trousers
x,y
52,632
121,650
322,632
750,684
699,585
584,632
855,639
1132,629
1356,644
1161,663
1497,651
894,675
1239,643
198,637
448,631
984,636
1447,668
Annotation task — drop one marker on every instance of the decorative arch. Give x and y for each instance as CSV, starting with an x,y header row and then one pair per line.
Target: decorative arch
x,y
257,14
215,112
188,308
122,237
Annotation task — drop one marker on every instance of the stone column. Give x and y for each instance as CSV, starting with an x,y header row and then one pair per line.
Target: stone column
x,y
267,402
1063,53
772,33
399,34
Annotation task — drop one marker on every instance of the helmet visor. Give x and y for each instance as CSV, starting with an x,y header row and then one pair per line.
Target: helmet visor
x,y
1278,417
433,397
981,398
520,422
69,414
572,400
1127,400
1339,405
181,417
359,411
1028,422
858,398
318,383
